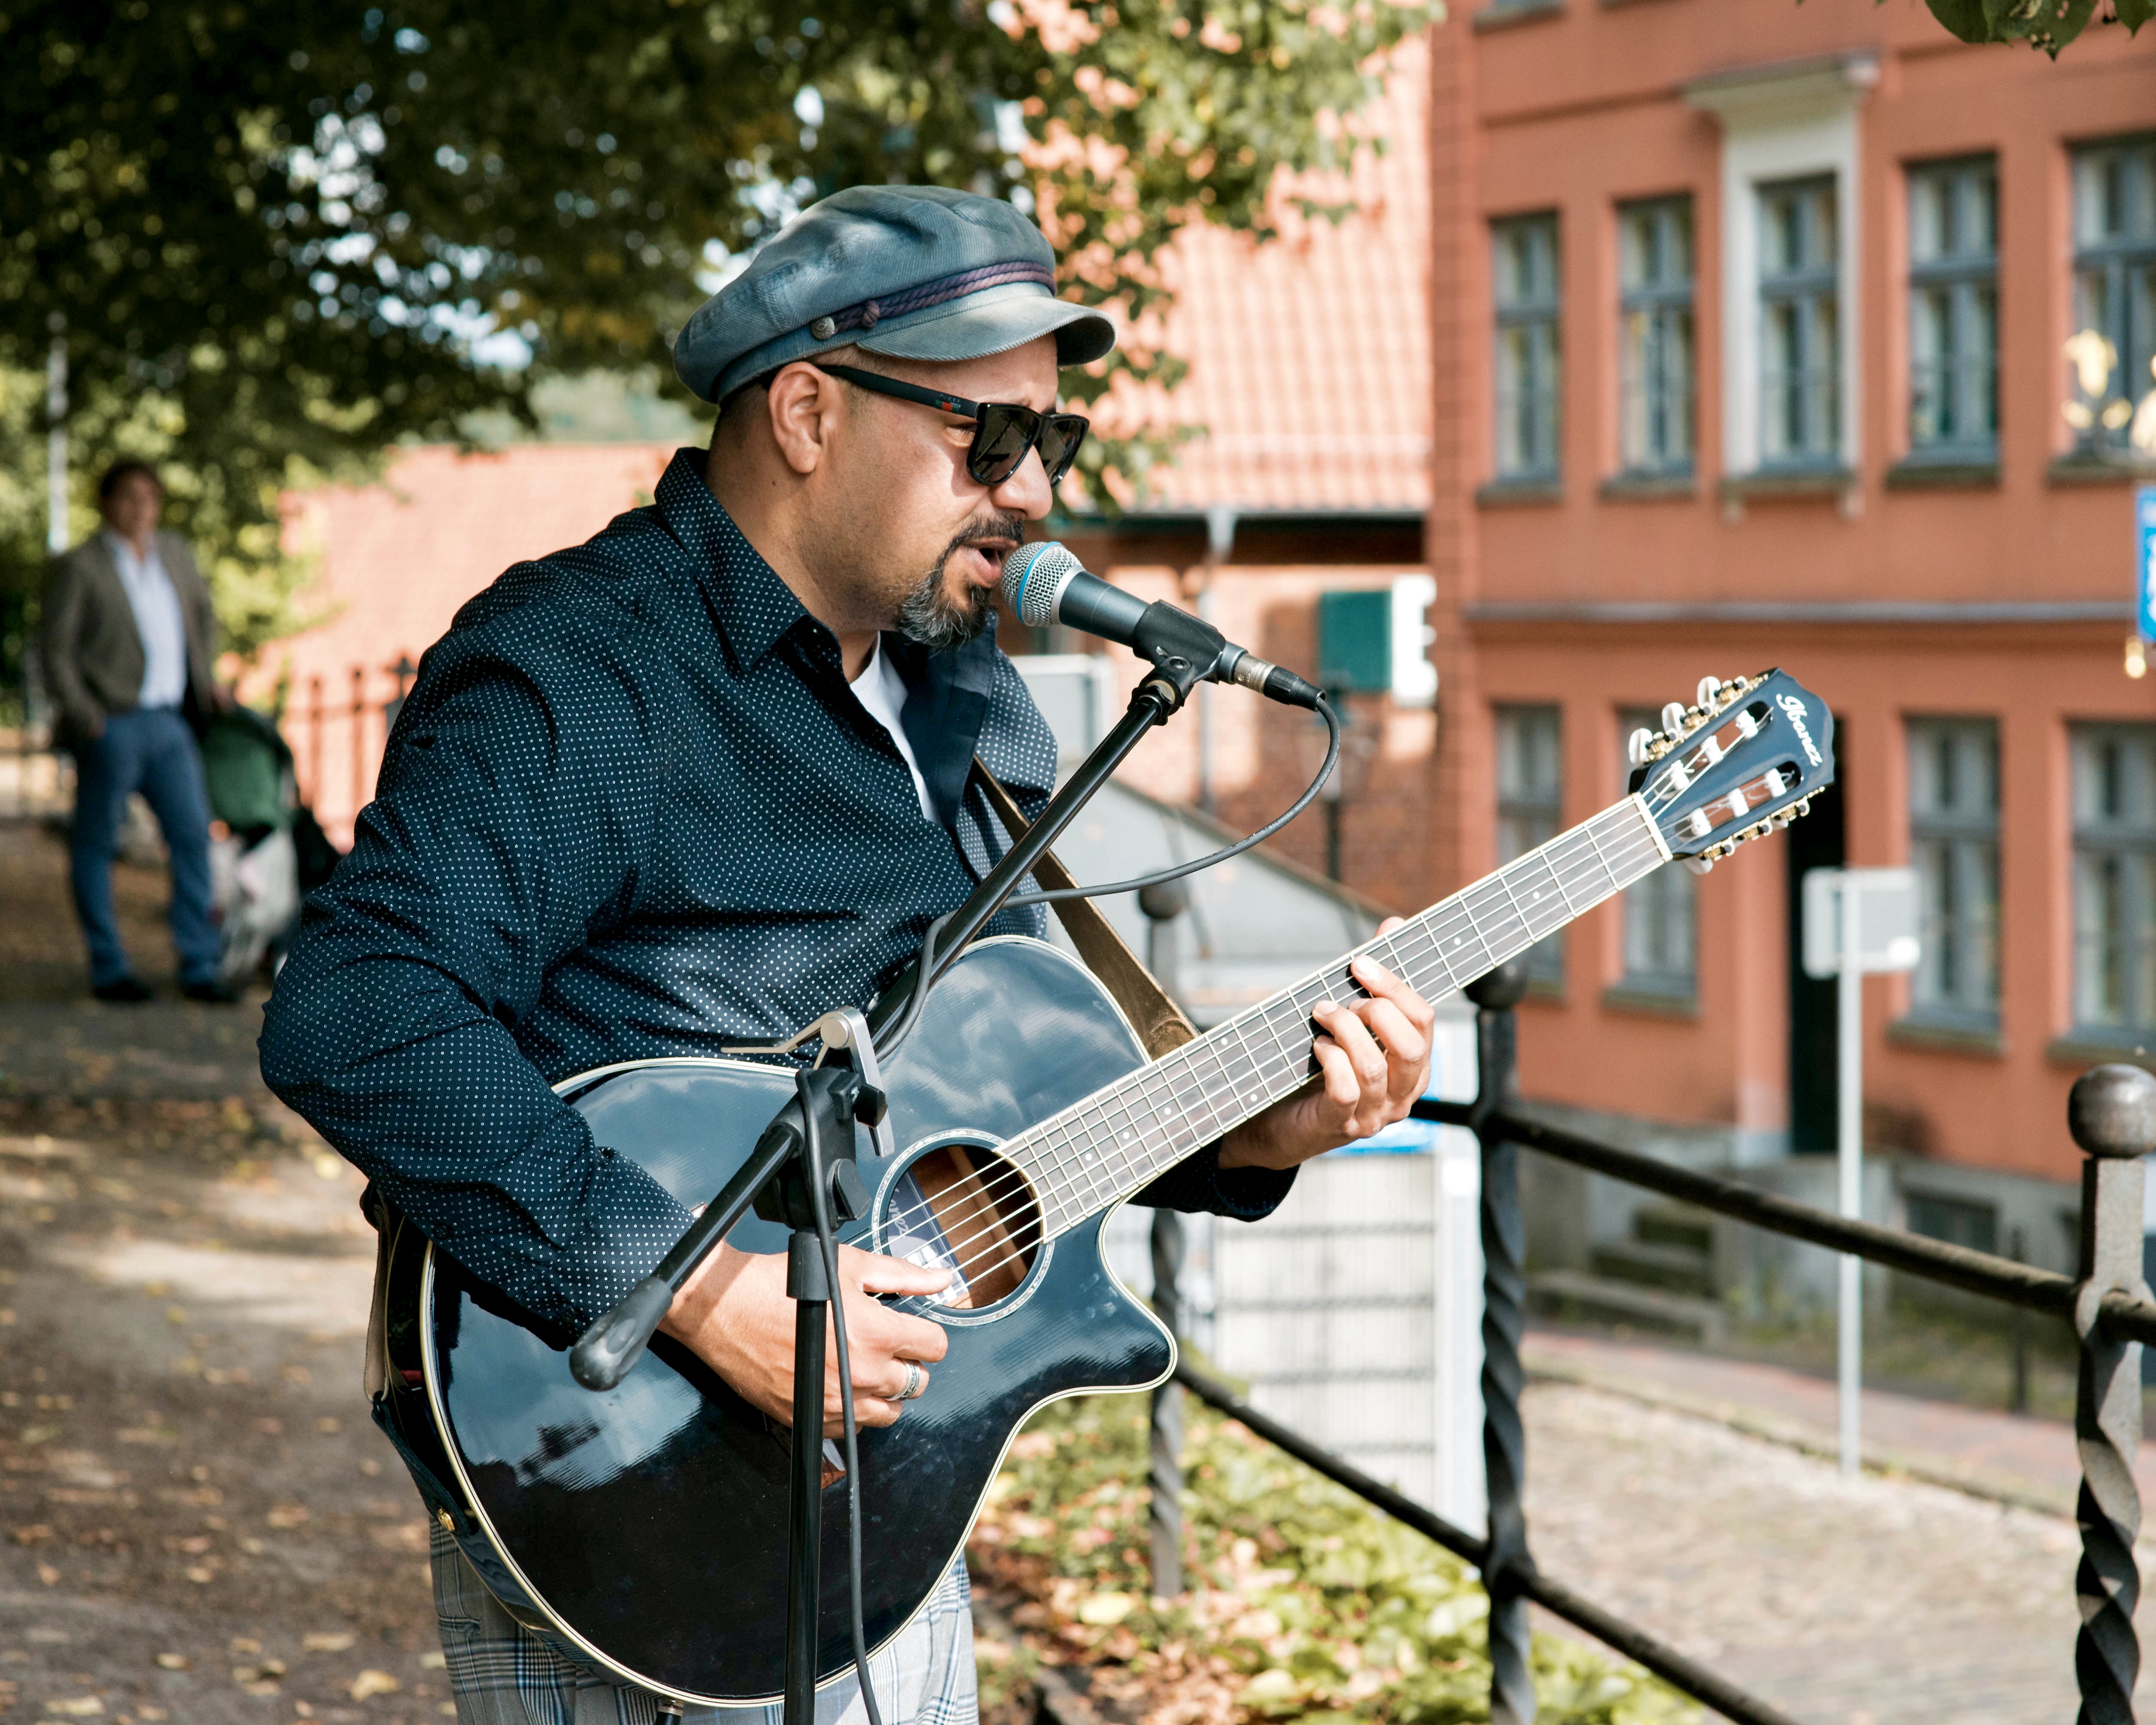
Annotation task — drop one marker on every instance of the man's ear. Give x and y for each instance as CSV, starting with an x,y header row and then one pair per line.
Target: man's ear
x,y
805,406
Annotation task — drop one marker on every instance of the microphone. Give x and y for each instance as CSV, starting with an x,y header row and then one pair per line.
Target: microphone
x,y
1045,584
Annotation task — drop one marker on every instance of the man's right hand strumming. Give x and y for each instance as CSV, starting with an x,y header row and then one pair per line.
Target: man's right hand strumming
x,y
735,1316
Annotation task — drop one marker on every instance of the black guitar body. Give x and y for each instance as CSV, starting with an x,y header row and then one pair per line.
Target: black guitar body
x,y
649,1523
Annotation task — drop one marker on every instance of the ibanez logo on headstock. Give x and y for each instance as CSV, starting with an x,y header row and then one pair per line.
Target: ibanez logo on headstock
x,y
1747,757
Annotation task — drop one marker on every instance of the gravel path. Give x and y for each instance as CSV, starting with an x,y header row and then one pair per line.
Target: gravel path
x,y
200,1523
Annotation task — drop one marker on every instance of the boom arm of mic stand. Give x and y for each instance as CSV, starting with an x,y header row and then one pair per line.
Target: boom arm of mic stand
x,y
605,1353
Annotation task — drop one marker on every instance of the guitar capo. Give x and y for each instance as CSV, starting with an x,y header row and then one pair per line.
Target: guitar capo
x,y
846,1032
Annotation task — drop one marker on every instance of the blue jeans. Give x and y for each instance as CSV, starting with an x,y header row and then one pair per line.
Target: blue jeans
x,y
153,751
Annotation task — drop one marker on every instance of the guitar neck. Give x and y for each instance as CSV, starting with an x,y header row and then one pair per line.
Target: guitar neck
x,y
1119,1139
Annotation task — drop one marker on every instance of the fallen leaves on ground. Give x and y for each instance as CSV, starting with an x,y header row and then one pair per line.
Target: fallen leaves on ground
x,y
1304,1602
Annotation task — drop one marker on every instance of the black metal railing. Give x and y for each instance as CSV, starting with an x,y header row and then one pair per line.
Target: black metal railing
x,y
2111,1115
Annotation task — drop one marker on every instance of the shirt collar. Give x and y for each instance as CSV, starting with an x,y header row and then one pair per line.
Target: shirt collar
x,y
123,553
754,609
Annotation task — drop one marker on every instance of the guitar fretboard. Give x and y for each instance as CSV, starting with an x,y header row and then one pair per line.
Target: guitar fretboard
x,y
1119,1139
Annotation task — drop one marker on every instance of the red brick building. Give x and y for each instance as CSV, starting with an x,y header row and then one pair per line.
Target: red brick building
x,y
1771,333
1667,337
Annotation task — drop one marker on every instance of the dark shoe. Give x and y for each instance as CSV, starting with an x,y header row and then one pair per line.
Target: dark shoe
x,y
210,993
121,991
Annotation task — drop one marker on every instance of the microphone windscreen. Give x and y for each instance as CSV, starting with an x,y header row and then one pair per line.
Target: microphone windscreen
x,y
1034,576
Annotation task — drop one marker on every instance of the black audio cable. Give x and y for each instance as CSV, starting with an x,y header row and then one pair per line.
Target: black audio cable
x,y
827,1239
931,955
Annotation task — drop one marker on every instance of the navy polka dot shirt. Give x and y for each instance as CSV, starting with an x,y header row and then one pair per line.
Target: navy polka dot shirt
x,y
630,809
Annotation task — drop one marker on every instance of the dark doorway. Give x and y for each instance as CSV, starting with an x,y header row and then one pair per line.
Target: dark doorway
x,y
1818,841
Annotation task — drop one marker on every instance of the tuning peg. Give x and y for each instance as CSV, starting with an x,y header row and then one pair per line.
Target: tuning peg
x,y
1699,864
1709,687
1673,719
1636,747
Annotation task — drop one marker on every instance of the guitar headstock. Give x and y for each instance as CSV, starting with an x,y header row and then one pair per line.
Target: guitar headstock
x,y
1747,757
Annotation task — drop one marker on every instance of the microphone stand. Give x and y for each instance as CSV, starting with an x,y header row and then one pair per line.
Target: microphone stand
x,y
809,1144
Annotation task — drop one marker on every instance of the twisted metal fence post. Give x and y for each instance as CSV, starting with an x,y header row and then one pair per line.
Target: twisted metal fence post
x,y
1163,902
2112,1114
1165,1473
1504,1313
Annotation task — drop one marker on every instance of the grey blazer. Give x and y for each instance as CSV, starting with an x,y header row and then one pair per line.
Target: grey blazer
x,y
92,650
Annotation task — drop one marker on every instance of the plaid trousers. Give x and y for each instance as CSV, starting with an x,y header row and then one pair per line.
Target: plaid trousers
x,y
502,1673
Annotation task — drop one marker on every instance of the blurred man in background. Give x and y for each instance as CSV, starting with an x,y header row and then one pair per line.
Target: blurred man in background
x,y
128,642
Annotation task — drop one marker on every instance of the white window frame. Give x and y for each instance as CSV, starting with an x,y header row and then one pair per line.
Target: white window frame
x,y
1784,123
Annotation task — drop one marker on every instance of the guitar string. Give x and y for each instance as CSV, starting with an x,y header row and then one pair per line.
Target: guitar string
x,y
971,1260
998,1189
1001,1186
1198,1090
1184,1101
1206,1090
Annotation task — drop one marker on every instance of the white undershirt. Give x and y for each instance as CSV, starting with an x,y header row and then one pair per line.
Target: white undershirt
x,y
151,597
882,691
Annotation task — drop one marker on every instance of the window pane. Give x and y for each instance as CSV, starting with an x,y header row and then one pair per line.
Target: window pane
x,y
1530,800
1800,354
1953,834
1953,308
1524,265
2114,790
1658,912
2110,393
1822,227
1655,335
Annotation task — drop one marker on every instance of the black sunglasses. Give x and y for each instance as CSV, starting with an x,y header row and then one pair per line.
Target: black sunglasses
x,y
1003,430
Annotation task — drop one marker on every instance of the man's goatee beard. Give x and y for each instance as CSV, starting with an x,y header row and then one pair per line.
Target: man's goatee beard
x,y
930,617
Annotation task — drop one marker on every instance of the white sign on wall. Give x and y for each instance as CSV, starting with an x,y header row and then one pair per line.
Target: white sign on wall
x,y
1884,903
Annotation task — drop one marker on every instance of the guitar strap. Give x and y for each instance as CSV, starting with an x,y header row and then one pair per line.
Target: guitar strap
x,y
1158,1020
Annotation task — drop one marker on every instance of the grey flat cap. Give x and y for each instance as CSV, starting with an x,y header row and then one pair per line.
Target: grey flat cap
x,y
916,272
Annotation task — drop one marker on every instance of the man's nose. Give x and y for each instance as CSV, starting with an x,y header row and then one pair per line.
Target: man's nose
x,y
1027,492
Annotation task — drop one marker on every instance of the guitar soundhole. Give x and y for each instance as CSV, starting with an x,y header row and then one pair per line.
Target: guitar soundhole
x,y
981,1215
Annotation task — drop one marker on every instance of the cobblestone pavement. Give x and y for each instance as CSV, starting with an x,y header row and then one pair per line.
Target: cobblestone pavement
x,y
2015,1457
1865,1601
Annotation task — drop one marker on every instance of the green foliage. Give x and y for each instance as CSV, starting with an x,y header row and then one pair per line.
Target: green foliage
x,y
2046,24
272,236
1304,1603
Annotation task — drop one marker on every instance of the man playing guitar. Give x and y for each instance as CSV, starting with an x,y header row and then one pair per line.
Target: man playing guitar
x,y
700,779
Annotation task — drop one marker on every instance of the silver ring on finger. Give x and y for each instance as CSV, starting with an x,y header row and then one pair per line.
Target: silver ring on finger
x,y
916,1380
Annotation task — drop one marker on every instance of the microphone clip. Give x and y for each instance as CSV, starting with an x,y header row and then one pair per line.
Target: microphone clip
x,y
1182,650
1186,650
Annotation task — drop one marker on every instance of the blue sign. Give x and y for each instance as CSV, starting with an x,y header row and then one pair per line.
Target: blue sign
x,y
2144,561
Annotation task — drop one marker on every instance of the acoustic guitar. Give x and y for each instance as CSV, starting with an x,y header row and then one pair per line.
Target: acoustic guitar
x,y
647,1525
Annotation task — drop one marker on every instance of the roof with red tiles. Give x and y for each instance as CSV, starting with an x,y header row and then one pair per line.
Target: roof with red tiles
x,y
1310,355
